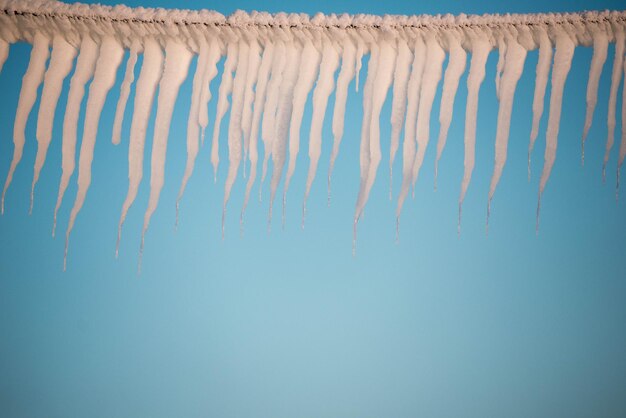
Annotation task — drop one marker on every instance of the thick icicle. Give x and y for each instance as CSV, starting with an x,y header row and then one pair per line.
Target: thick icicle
x,y
562,64
398,105
193,127
616,77
210,72
513,67
259,101
600,50
323,89
28,95
254,61
310,64
175,68
541,81
85,65
380,87
149,76
346,74
129,77
4,53
109,59
432,74
480,53
455,69
61,62
283,116
225,89
408,144
234,125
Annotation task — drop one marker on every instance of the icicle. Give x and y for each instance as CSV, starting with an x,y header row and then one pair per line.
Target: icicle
x,y
234,125
283,116
4,53
562,64
226,87
502,46
28,95
129,77
109,59
408,145
513,67
346,74
432,74
455,69
323,89
149,77
615,80
384,76
205,96
480,53
85,65
254,61
310,63
175,68
193,127
622,145
541,81
61,62
600,49
360,50
398,106
259,101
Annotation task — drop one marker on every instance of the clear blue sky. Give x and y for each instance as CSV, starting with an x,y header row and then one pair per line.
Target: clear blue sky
x,y
290,324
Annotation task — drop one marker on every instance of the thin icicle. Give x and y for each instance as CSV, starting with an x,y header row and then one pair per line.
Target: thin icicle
x,y
502,46
541,81
432,75
600,50
109,59
28,95
283,116
622,145
310,64
384,77
323,89
616,77
85,65
361,48
175,68
193,127
234,125
513,67
61,62
129,77
225,89
254,61
4,52
455,69
398,106
480,53
562,64
149,76
346,74
408,145
205,96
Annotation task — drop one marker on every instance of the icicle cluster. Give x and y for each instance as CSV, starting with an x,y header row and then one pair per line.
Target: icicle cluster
x,y
273,63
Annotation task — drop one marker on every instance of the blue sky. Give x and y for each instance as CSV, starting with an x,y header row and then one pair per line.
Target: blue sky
x,y
289,324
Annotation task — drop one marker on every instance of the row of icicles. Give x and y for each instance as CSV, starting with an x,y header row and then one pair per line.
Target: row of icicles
x,y
268,80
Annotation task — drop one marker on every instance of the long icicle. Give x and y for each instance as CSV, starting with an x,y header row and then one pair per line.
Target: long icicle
x,y
129,77
323,89
254,62
502,46
205,96
85,66
616,77
149,77
454,71
513,67
541,82
28,95
562,64
622,145
480,52
175,68
600,51
109,59
61,62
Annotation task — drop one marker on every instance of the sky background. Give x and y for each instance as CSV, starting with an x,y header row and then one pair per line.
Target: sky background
x,y
290,324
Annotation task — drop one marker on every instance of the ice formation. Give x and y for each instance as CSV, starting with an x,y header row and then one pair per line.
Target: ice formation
x,y
273,65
